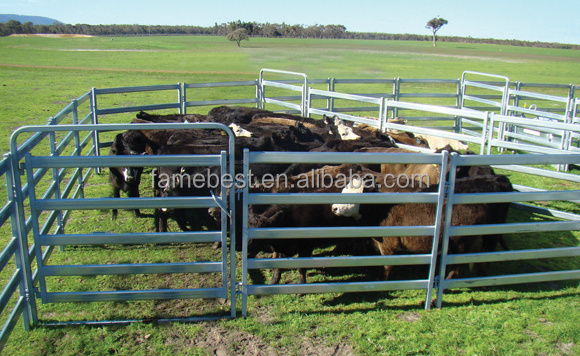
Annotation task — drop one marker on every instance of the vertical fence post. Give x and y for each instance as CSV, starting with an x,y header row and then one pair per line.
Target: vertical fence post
x,y
244,237
486,133
569,115
260,91
396,93
328,85
382,115
304,105
181,98
450,187
55,182
78,148
385,118
25,279
458,119
18,223
95,121
258,95
437,227
331,100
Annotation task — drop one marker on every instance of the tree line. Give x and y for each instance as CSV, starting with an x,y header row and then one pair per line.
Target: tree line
x,y
253,29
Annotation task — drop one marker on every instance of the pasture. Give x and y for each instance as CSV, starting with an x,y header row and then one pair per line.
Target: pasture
x,y
39,76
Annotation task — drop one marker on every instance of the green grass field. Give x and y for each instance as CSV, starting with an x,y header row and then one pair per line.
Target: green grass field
x,y
39,76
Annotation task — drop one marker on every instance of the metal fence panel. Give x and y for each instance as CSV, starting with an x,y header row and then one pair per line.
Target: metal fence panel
x,y
35,167
249,232
507,228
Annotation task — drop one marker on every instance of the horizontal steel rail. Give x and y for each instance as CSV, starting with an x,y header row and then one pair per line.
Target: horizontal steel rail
x,y
351,261
339,198
129,295
342,157
129,238
132,268
337,232
145,88
345,287
513,279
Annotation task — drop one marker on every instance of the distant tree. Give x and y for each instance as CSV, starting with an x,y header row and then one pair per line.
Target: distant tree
x,y
239,35
434,25
270,30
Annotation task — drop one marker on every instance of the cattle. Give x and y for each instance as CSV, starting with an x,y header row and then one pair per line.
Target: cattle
x,y
309,215
420,140
263,130
127,179
436,142
244,115
345,132
184,181
171,118
374,182
406,138
328,179
464,214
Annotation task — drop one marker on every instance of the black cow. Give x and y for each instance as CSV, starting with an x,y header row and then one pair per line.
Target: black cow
x,y
127,179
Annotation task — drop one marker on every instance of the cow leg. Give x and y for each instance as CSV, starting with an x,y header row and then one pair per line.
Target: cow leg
x,y
116,194
160,220
387,247
134,193
302,275
276,272
454,273
307,252
181,218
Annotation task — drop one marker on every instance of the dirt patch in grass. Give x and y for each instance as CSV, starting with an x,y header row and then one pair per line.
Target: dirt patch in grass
x,y
565,348
410,317
218,340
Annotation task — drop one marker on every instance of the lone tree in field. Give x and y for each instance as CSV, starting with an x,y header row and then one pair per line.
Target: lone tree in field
x,y
238,36
435,24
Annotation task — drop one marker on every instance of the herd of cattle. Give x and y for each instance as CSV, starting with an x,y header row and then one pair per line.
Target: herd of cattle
x,y
262,130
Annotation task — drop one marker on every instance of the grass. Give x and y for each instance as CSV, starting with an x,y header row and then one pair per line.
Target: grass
x,y
39,76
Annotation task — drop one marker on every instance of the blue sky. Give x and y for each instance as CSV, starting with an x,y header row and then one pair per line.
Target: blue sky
x,y
531,20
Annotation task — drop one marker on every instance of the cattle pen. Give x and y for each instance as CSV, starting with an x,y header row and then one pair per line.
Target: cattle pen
x,y
48,170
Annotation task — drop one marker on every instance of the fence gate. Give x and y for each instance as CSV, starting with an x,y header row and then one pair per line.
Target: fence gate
x,y
48,213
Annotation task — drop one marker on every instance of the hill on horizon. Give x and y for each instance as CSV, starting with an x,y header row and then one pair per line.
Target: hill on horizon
x,y
36,20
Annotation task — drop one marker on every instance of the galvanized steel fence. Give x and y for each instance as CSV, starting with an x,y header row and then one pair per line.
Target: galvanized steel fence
x,y
48,172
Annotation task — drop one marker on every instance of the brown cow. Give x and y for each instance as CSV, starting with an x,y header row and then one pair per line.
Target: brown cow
x,y
465,214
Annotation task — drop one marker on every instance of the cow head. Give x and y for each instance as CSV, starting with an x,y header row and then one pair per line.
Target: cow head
x,y
356,185
240,131
346,132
